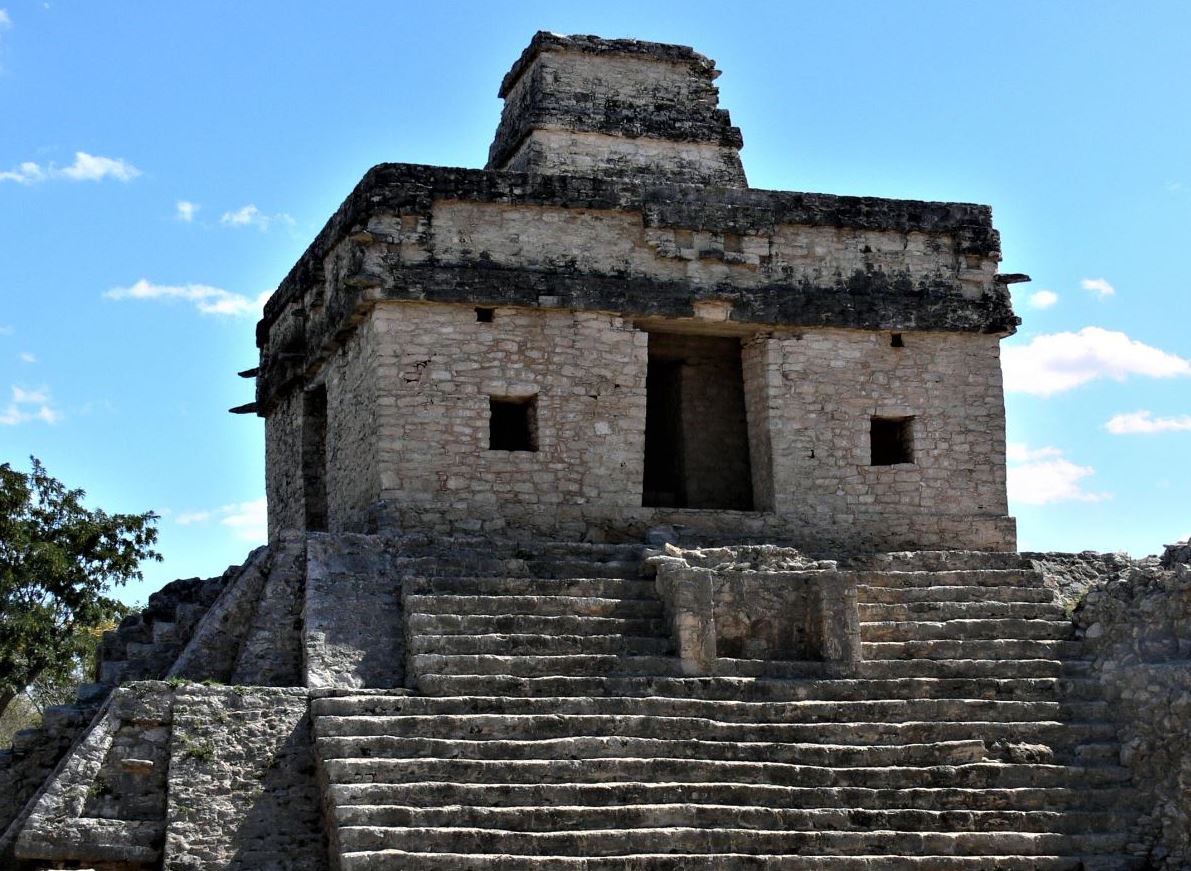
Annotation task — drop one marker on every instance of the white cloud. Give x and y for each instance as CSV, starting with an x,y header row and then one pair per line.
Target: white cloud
x,y
86,167
251,216
185,210
29,405
1041,476
1144,423
186,518
26,357
1043,299
1098,286
6,330
5,21
1056,362
207,299
249,520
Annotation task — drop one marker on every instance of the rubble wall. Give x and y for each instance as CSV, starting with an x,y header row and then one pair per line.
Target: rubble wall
x,y
1135,619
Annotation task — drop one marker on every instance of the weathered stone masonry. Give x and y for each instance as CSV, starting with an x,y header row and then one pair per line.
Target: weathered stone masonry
x,y
433,292
584,471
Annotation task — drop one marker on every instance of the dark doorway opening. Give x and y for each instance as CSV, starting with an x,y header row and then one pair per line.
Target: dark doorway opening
x,y
696,430
314,457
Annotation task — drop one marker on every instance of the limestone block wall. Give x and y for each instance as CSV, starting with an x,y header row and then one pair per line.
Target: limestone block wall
x,y
618,108
354,402
283,466
821,390
437,369
671,241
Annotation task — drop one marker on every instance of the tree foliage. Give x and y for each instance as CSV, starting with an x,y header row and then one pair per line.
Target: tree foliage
x,y
58,562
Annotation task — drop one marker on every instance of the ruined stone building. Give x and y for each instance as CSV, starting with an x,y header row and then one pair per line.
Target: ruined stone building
x,y
622,516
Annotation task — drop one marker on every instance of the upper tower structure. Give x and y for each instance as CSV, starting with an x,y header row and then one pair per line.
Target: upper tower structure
x,y
581,105
606,330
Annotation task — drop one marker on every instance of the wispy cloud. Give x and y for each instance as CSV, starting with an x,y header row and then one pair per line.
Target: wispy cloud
x,y
1144,423
86,167
207,299
1043,299
1098,286
251,216
1042,476
6,330
188,518
185,210
26,357
1057,362
29,405
249,520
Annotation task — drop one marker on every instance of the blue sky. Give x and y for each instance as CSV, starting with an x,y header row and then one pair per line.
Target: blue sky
x,y
162,166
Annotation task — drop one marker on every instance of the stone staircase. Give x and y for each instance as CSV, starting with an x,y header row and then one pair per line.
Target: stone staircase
x,y
548,726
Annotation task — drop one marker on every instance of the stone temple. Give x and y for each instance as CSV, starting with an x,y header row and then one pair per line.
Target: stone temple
x,y
622,516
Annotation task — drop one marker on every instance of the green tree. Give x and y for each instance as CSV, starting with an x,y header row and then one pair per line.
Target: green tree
x,y
58,562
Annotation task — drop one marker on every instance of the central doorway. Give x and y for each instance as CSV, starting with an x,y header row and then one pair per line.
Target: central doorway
x,y
696,429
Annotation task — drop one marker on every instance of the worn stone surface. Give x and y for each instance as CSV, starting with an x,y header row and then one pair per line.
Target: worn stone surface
x,y
1135,617
464,364
613,232
353,633
243,793
97,808
588,106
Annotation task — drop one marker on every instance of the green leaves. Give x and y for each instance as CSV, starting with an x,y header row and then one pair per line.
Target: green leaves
x,y
58,560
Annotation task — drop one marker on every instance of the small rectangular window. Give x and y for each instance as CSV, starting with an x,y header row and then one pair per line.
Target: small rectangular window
x,y
513,423
484,315
891,440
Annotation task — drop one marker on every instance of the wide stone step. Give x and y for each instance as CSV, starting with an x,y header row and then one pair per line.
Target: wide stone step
x,y
603,842
867,593
959,668
541,726
544,666
1044,732
937,561
449,793
665,769
539,645
951,578
832,755
387,860
611,588
542,606
499,566
534,818
999,628
979,648
960,611
532,624
683,697
732,689
724,687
